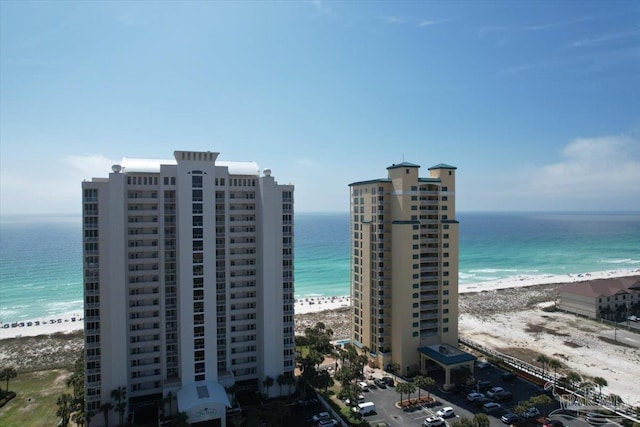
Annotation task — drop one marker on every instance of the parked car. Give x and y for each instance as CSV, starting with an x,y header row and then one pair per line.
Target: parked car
x,y
491,407
509,418
481,401
359,400
633,318
492,392
474,396
554,423
532,412
388,381
503,396
483,364
433,422
321,416
363,386
446,412
329,422
508,376
380,383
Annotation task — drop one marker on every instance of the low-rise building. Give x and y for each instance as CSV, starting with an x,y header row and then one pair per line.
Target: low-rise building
x,y
611,299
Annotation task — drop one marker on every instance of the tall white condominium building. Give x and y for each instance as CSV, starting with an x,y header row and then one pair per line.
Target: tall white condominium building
x,y
188,284
404,270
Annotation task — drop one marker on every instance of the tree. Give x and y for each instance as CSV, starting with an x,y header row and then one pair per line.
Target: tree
x,y
480,420
572,378
600,382
324,380
410,389
555,364
291,381
394,368
543,360
64,404
267,383
615,399
402,388
460,375
120,395
421,382
462,422
105,408
7,374
281,380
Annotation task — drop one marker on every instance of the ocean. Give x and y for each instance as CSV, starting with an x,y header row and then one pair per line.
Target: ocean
x,y
41,257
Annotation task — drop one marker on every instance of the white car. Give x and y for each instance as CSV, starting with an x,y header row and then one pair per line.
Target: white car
x,y
492,392
321,416
327,422
471,397
363,386
446,412
433,422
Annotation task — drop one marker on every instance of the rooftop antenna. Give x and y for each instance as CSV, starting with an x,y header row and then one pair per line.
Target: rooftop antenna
x,y
402,157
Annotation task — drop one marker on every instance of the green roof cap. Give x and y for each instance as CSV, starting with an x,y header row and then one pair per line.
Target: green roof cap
x,y
443,166
403,165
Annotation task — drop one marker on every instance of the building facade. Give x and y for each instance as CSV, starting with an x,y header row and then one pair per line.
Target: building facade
x,y
611,299
404,269
188,285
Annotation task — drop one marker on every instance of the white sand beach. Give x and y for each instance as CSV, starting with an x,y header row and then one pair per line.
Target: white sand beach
x,y
305,305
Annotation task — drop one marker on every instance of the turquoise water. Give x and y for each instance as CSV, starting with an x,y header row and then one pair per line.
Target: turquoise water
x,y
41,258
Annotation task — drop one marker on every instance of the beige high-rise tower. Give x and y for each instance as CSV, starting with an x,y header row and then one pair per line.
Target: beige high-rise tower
x,y
404,269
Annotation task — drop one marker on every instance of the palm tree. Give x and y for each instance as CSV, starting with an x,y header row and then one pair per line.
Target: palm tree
x,y
64,409
7,374
281,380
401,388
105,408
480,420
410,389
267,383
421,382
615,399
120,395
291,381
555,364
543,360
600,382
573,377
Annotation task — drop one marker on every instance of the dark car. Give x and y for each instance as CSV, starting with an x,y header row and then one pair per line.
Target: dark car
x,y
503,396
388,381
480,402
510,418
380,383
508,376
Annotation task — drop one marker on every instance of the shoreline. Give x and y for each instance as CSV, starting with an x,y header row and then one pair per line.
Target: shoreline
x,y
304,305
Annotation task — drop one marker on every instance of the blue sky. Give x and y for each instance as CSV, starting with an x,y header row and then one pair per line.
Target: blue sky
x,y
536,103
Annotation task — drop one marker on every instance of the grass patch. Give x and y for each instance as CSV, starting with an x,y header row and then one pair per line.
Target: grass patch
x,y
35,403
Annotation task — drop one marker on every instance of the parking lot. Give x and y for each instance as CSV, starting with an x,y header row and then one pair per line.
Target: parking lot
x,y
385,400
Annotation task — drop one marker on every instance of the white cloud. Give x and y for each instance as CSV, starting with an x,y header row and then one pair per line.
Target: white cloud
x,y
592,168
90,164
429,23
604,39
